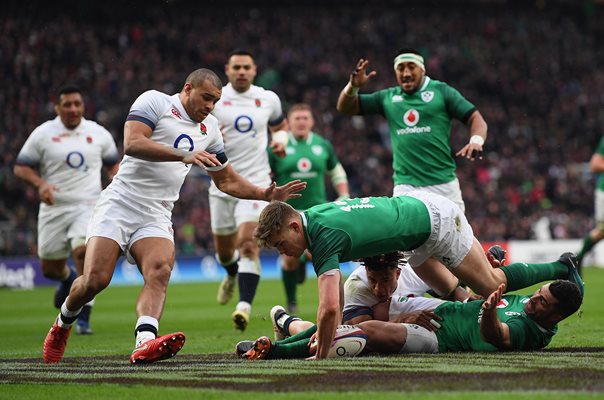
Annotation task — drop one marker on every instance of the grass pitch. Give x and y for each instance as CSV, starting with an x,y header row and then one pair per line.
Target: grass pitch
x,y
96,366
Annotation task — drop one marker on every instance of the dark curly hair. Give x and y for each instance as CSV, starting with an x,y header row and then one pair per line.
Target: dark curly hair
x,y
383,261
568,295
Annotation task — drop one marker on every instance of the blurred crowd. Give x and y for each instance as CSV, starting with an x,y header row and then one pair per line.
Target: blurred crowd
x,y
532,69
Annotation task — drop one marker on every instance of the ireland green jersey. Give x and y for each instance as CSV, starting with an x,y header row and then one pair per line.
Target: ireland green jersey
x,y
460,326
600,151
307,160
345,230
420,129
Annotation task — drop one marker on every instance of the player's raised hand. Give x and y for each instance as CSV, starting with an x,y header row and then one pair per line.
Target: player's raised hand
x,y
201,158
46,191
285,192
494,298
471,151
359,75
277,148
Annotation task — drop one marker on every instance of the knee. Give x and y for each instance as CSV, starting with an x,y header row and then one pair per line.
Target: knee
x,y
94,283
248,248
158,272
52,269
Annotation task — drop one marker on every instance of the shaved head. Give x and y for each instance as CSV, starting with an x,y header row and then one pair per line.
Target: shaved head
x,y
197,77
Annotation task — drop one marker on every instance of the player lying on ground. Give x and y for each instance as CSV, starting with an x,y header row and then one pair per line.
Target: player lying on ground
x,y
501,322
431,228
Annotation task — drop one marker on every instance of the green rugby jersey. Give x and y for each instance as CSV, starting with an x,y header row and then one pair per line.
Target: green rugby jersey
x,y
460,326
600,151
420,129
307,160
345,230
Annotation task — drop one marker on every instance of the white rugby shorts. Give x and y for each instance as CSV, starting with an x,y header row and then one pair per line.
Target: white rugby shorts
x,y
450,190
452,236
126,222
227,213
62,228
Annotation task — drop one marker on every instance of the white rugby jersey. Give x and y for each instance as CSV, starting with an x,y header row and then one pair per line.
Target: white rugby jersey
x,y
70,159
358,297
244,120
156,184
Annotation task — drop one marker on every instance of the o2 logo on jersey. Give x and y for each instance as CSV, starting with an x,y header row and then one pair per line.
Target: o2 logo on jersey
x,y
243,124
75,160
411,117
304,164
183,137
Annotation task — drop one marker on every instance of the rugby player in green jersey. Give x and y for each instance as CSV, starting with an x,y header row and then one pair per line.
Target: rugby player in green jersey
x,y
419,112
596,234
501,322
310,158
431,229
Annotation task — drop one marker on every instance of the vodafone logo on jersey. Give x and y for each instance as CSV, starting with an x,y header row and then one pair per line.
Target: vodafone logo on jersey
x,y
304,164
411,117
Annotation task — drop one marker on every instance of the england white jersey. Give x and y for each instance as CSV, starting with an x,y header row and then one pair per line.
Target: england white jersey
x,y
70,159
157,184
244,119
359,299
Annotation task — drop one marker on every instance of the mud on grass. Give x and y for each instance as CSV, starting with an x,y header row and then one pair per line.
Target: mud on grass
x,y
577,369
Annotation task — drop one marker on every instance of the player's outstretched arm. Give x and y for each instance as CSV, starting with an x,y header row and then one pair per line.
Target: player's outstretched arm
x,y
328,313
492,330
230,182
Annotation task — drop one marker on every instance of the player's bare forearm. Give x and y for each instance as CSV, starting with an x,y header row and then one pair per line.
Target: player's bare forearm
x,y
596,164
329,311
348,104
230,182
138,143
28,174
492,330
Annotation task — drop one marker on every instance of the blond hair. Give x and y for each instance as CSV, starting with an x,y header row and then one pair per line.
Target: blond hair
x,y
273,219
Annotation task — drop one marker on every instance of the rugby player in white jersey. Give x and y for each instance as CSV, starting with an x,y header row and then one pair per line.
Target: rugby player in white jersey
x,y
63,158
163,137
246,113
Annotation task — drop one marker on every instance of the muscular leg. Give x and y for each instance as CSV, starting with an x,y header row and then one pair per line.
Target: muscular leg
x,y
437,276
78,255
289,276
225,246
155,258
249,265
55,269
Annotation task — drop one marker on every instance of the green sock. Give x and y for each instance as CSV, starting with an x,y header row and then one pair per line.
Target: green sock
x,y
302,335
297,349
521,275
588,244
290,282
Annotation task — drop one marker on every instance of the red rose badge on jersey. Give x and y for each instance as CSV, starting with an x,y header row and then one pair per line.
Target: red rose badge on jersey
x,y
203,129
88,139
258,103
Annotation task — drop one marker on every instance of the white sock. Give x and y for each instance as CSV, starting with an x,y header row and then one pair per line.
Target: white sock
x,y
244,306
145,336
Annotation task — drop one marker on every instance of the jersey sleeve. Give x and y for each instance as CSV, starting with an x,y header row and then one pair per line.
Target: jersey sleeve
x,y
216,146
526,335
327,250
31,152
148,108
276,115
457,106
332,158
600,149
371,103
109,155
358,298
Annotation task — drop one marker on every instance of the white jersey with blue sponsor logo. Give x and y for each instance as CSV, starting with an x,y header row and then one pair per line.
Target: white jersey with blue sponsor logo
x,y
358,294
70,159
244,119
154,184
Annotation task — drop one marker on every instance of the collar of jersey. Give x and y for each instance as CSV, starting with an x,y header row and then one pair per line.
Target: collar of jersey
x,y
423,87
305,228
295,141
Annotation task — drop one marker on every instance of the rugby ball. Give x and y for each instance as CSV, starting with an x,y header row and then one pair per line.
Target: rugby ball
x,y
348,342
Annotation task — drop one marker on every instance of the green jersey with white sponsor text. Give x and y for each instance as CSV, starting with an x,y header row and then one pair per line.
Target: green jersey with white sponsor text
x,y
420,129
460,326
600,151
307,160
346,230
